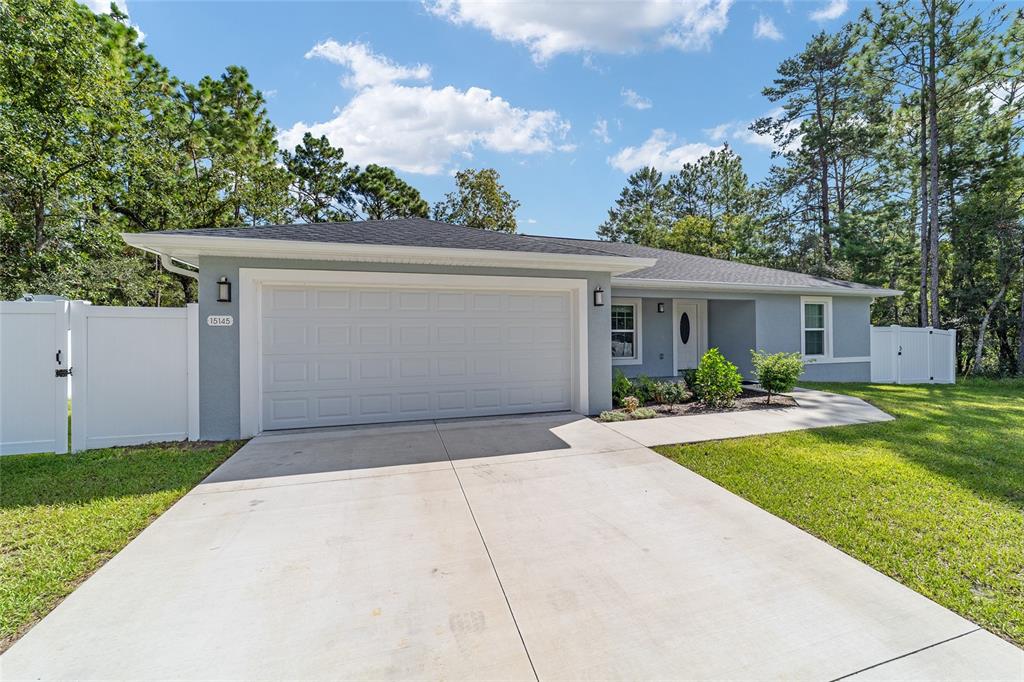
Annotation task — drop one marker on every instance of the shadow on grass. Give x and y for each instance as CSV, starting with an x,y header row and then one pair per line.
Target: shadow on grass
x,y
971,432
49,479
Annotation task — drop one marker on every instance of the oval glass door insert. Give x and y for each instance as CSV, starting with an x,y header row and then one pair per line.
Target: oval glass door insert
x,y
684,328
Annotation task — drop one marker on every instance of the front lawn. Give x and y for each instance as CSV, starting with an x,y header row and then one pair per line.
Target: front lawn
x,y
62,516
934,499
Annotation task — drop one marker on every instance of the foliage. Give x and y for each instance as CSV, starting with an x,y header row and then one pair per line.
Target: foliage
x,y
621,387
381,195
689,377
62,516
777,372
613,416
669,393
630,403
644,413
479,200
321,181
717,382
932,499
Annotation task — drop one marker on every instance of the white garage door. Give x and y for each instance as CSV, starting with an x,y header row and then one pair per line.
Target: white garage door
x,y
356,355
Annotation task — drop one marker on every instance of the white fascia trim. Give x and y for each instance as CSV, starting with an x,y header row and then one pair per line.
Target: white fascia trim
x,y
687,285
251,281
188,248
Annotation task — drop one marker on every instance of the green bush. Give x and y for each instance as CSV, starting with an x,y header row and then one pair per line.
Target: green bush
x,y
777,373
610,416
644,413
670,393
717,381
689,378
621,387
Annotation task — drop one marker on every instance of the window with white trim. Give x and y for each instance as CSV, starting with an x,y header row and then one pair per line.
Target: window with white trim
x,y
626,332
816,328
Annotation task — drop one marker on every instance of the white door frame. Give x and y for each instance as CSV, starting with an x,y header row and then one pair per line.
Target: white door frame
x,y
250,318
702,329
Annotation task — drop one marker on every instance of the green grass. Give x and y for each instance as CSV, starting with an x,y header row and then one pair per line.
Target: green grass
x,y
934,499
63,516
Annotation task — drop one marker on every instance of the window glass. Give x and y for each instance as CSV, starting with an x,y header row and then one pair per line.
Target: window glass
x,y
814,315
814,342
622,317
623,345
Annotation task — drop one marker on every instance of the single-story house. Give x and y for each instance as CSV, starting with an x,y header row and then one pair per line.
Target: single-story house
x,y
361,322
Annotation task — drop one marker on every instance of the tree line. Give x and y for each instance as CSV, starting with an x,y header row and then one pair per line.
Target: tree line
x,y
98,138
898,162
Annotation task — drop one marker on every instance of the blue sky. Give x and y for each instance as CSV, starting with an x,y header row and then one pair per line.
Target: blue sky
x,y
564,100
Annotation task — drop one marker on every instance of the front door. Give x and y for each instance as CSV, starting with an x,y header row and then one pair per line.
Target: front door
x,y
687,334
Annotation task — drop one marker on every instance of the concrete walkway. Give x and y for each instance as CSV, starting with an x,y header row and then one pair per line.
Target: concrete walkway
x,y
816,409
544,547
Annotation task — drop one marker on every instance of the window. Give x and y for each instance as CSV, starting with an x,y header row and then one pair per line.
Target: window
x,y
817,323
626,332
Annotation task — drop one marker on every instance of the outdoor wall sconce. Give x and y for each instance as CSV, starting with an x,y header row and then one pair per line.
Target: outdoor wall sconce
x,y
598,297
661,307
223,290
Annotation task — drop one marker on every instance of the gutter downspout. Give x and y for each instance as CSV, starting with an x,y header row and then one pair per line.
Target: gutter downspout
x,y
165,260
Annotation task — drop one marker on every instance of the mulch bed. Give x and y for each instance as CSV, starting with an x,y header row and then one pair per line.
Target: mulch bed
x,y
747,400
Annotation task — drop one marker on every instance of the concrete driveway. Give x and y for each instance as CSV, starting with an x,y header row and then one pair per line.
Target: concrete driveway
x,y
545,547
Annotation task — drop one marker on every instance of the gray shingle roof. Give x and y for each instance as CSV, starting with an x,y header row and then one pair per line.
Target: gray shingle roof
x,y
400,232
673,265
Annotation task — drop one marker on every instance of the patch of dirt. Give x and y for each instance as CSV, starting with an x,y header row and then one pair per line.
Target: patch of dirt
x,y
748,399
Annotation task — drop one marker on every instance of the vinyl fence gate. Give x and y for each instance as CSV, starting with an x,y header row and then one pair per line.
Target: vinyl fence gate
x,y
913,355
132,374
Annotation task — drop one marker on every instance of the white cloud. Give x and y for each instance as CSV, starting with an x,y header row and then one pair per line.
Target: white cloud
x,y
531,221
765,27
631,99
833,10
600,130
420,129
367,69
661,151
552,28
739,131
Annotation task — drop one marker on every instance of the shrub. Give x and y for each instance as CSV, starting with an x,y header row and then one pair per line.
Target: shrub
x,y
717,381
631,403
644,388
621,387
610,416
689,378
669,393
644,413
777,373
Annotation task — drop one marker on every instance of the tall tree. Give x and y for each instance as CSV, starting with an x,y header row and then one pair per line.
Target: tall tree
x,y
640,214
321,181
479,200
379,194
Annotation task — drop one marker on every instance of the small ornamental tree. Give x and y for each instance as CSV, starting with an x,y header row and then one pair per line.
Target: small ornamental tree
x,y
777,373
717,381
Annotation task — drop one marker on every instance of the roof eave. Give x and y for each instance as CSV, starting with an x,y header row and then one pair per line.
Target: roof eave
x,y
690,285
188,248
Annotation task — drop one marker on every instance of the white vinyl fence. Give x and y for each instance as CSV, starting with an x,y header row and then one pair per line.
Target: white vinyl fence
x,y
913,355
132,372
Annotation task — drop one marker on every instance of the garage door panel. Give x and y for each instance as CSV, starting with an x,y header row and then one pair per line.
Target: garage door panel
x,y
347,355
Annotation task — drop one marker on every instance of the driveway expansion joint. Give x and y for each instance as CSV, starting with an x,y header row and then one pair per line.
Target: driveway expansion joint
x,y
488,552
909,653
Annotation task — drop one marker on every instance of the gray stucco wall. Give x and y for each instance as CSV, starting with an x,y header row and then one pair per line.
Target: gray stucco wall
x,y
776,328
732,329
218,346
656,339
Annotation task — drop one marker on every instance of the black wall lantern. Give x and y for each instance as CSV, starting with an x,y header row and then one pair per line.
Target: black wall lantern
x,y
223,290
599,296
661,307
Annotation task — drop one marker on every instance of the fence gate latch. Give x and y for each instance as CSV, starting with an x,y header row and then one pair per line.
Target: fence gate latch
x,y
59,373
